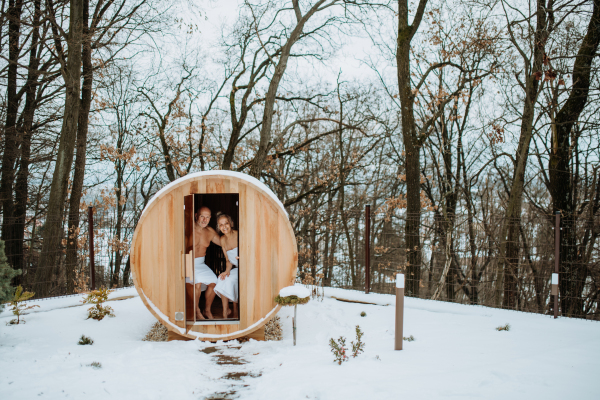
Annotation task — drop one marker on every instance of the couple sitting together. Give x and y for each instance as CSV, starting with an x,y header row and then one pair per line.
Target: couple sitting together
x,y
226,285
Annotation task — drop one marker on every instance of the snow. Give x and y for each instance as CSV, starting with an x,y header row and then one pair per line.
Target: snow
x,y
298,290
235,174
457,353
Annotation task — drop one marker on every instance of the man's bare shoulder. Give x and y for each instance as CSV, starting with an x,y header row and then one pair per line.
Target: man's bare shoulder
x,y
211,230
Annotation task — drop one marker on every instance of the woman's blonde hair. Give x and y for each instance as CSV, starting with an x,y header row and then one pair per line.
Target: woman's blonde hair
x,y
221,215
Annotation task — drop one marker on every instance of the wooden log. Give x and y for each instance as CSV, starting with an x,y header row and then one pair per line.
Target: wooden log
x,y
357,301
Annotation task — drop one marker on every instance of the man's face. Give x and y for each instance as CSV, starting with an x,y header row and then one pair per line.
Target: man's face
x,y
204,218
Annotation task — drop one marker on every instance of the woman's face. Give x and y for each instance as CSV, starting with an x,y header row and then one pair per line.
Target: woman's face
x,y
223,224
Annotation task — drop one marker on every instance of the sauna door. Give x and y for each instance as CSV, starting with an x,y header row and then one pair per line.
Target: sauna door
x,y
189,290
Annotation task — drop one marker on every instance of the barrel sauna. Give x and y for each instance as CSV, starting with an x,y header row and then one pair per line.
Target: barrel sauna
x,y
162,253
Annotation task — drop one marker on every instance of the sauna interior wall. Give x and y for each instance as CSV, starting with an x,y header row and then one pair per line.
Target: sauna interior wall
x,y
268,249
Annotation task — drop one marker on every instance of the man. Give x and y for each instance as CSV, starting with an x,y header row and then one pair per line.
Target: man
x,y
204,277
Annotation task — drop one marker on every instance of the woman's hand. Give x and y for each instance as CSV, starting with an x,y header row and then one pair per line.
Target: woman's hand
x,y
223,275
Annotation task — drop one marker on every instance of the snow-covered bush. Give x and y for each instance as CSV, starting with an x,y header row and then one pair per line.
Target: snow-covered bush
x,y
339,350
18,306
293,295
503,327
99,310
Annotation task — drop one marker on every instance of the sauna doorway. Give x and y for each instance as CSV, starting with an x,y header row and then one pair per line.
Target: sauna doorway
x,y
206,294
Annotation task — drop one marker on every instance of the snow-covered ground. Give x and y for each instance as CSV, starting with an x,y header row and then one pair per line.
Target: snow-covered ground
x,y
457,353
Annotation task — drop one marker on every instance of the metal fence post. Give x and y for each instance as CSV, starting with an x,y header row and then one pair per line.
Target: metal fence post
x,y
91,240
367,248
399,312
554,282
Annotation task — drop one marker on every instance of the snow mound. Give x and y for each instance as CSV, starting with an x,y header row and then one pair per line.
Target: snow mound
x,y
299,291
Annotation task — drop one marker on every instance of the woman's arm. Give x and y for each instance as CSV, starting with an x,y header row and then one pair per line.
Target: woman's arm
x,y
228,267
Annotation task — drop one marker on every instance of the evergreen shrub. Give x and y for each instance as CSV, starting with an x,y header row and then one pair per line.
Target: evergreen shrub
x,y
7,273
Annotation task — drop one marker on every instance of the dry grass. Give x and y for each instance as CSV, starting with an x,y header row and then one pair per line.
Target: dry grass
x,y
273,329
158,333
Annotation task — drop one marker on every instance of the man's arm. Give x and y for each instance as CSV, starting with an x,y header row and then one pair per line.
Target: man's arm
x,y
216,239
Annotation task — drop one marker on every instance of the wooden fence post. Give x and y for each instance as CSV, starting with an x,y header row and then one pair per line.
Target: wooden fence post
x,y
367,248
554,283
91,240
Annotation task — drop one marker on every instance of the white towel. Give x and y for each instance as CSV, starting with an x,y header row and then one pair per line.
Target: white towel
x,y
228,287
202,274
232,255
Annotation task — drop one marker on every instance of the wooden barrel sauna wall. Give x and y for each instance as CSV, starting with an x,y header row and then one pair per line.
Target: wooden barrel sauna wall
x,y
268,255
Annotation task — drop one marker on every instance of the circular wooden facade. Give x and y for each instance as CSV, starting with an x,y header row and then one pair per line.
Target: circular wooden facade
x,y
267,252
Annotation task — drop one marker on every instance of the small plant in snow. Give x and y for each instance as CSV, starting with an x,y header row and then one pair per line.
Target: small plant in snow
x,y
411,338
99,310
83,340
339,350
503,327
363,314
95,364
358,346
18,308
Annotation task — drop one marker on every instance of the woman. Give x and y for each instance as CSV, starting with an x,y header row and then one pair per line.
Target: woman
x,y
227,286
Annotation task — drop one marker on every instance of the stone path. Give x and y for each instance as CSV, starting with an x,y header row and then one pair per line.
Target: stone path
x,y
236,372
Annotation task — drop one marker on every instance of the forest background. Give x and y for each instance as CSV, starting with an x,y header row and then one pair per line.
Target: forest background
x,y
471,128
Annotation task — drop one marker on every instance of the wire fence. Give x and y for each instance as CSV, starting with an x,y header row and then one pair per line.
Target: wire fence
x,y
491,262
68,266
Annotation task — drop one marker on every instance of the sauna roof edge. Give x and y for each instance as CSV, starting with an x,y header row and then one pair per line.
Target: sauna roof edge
x,y
239,175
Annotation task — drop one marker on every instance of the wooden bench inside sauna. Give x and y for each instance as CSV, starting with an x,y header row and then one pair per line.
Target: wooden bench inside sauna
x,y
164,252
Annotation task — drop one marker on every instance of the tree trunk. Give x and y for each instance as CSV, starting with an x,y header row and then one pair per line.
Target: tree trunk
x,y
11,136
82,131
509,252
573,271
412,146
53,227
265,130
21,186
127,272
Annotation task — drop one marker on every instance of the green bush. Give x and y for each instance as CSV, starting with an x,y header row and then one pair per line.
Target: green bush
x,y
358,346
339,350
83,340
99,310
6,276
18,308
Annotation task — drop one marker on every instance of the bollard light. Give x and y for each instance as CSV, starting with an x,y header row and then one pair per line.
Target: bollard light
x,y
555,284
554,292
399,311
